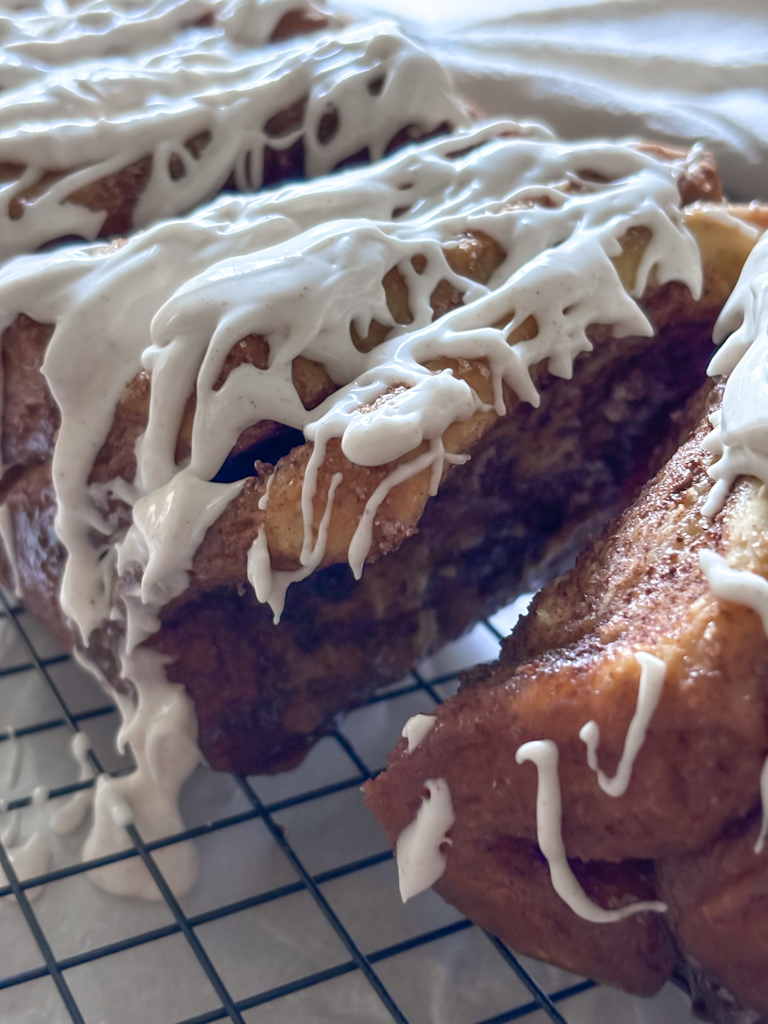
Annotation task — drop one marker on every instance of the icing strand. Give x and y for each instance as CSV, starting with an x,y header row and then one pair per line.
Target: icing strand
x,y
739,439
549,811
652,675
271,585
71,814
737,585
418,852
161,730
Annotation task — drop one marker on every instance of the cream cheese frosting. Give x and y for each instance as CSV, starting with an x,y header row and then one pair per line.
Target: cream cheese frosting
x,y
652,675
90,93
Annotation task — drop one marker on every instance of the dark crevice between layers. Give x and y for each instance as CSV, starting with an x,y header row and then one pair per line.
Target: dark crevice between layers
x,y
270,451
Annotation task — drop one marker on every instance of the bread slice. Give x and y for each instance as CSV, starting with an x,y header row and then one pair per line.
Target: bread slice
x,y
661,802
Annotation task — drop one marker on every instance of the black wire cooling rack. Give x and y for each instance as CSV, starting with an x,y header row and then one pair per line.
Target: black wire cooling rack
x,y
320,936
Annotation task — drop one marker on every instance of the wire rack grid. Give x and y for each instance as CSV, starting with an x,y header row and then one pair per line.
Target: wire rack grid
x,y
295,915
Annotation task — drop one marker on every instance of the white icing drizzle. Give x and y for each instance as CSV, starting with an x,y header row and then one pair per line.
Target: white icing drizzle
x,y
299,268
549,812
420,858
40,36
271,585
264,499
14,757
71,814
737,585
742,587
416,728
721,213
99,110
739,438
161,730
652,675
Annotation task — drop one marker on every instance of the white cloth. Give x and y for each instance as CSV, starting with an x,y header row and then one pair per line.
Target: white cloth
x,y
675,70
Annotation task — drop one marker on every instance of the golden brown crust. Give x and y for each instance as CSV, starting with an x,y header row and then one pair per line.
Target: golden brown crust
x,y
570,661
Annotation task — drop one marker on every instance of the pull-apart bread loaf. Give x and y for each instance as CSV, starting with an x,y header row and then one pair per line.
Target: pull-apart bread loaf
x,y
437,370
114,116
604,786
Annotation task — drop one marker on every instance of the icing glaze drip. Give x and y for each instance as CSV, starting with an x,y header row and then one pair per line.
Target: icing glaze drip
x,y
747,588
32,857
271,586
737,585
209,103
739,438
416,728
549,811
38,37
71,814
652,674
161,730
420,859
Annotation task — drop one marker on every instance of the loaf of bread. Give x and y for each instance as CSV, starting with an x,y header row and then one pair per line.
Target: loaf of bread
x,y
259,460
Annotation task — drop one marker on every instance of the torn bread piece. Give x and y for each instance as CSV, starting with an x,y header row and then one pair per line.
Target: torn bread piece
x,y
638,686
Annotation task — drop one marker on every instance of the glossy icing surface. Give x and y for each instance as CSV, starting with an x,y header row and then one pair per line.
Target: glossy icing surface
x,y
86,94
